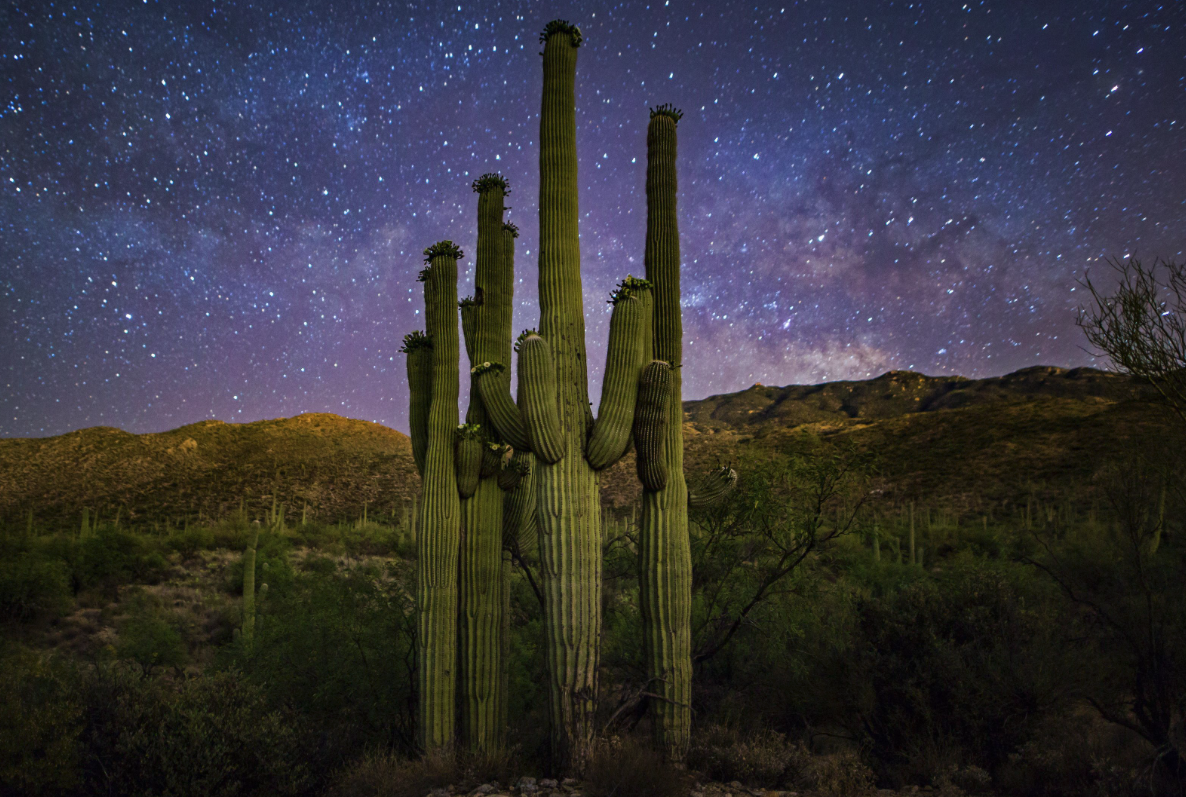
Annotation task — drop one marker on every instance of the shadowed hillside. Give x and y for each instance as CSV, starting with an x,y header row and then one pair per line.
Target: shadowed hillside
x,y
899,393
330,463
959,443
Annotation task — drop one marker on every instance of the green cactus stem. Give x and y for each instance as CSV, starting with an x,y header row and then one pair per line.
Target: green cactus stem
x,y
513,472
486,320
247,634
651,422
712,489
468,458
439,526
493,385
619,388
567,491
538,396
665,558
493,455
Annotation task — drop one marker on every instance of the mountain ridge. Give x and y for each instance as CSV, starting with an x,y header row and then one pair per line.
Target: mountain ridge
x,y
948,438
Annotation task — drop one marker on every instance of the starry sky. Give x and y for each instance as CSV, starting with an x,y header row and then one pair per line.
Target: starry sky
x,y
217,209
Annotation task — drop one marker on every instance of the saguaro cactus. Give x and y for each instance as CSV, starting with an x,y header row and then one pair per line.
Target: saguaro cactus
x,y
248,630
553,419
665,559
439,526
486,321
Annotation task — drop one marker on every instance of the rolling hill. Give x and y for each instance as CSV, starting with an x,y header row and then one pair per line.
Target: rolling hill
x,y
960,443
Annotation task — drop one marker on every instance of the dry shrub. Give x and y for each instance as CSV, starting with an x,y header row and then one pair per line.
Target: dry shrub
x,y
627,768
389,775
764,758
841,774
1080,754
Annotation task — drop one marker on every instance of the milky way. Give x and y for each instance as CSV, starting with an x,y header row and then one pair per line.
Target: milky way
x,y
217,210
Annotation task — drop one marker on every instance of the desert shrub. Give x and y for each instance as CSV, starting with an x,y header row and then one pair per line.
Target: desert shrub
x,y
67,729
955,671
32,585
40,719
206,735
187,542
629,768
841,774
764,758
150,639
111,557
233,534
338,648
1078,753
385,774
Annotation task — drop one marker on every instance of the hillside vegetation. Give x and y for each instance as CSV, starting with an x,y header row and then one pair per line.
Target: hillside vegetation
x,y
961,444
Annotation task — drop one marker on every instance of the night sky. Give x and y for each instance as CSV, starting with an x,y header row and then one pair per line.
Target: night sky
x,y
217,210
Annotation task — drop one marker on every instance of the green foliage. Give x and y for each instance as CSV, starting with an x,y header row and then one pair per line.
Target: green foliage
x,y
489,181
338,647
443,249
33,585
40,720
956,669
188,542
207,735
150,638
112,557
105,730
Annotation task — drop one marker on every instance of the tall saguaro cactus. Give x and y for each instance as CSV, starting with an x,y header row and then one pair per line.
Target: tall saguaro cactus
x,y
553,420
440,507
486,320
665,559
552,482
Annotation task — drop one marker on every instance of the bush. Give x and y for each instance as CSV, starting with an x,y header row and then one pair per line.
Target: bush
x,y
150,639
40,719
764,758
385,774
956,671
191,540
112,557
838,775
627,768
106,730
207,735
33,586
338,648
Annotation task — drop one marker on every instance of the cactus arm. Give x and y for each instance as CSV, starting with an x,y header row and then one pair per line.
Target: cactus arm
x,y
493,455
651,421
468,458
514,471
537,391
470,307
419,350
494,387
712,489
619,389
439,525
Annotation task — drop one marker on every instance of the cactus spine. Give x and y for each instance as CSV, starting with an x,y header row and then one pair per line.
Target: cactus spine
x,y
439,526
486,319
